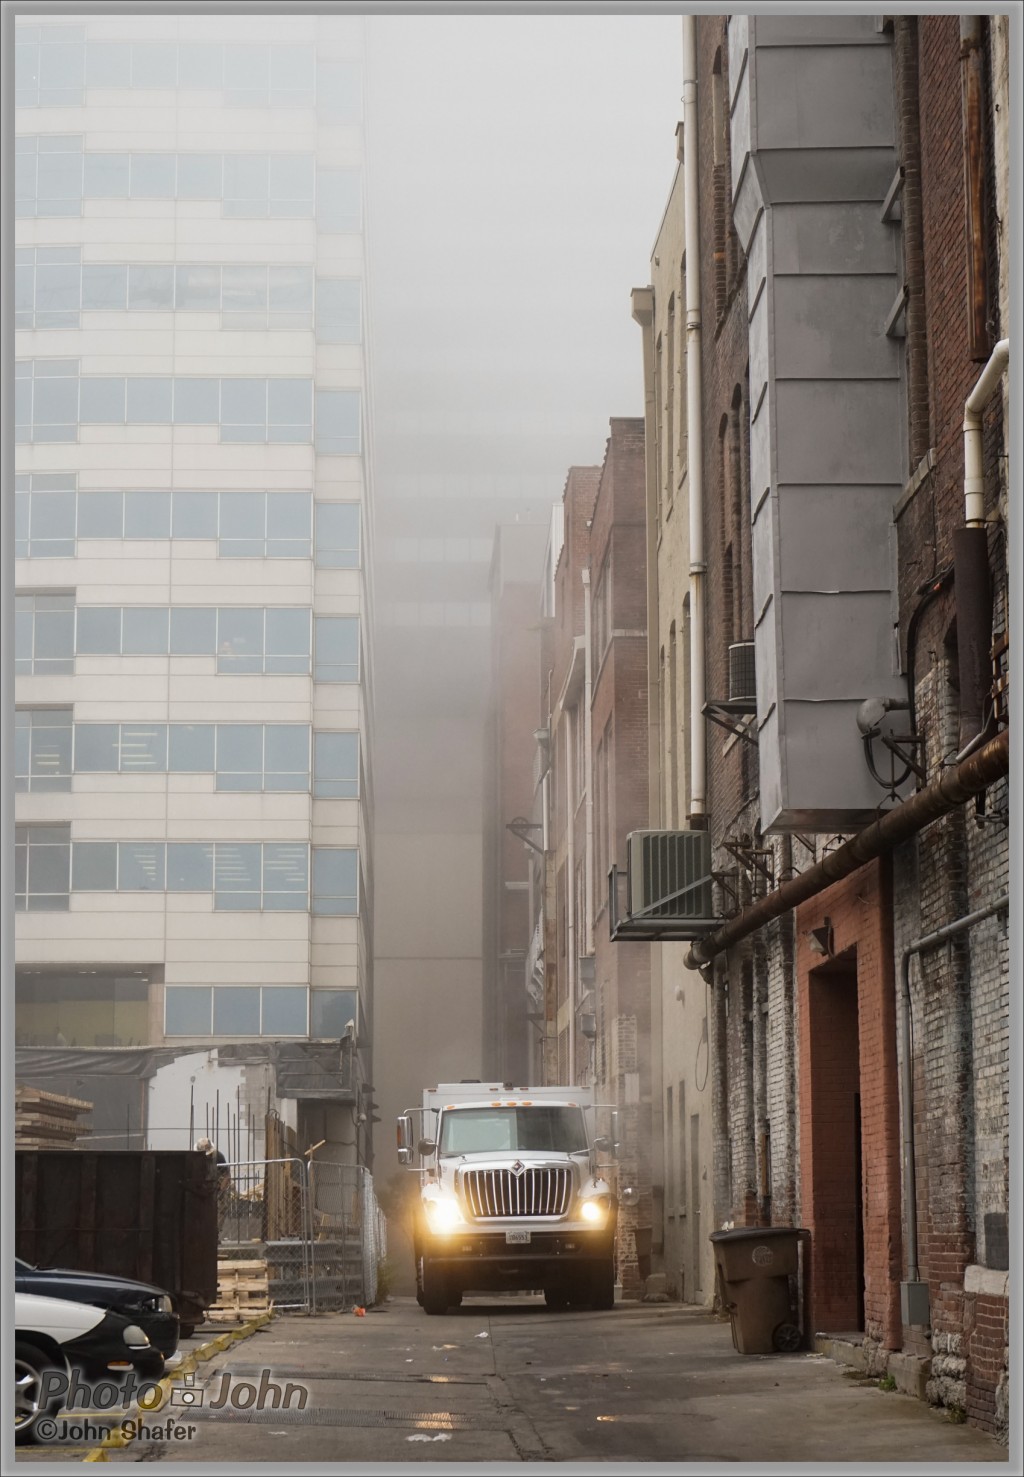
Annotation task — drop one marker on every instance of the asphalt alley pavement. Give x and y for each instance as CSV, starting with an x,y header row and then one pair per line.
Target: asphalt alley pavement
x,y
507,1381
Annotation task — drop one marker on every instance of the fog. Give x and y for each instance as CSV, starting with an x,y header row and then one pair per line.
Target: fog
x,y
517,169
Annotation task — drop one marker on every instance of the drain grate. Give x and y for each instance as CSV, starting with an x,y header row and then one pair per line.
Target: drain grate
x,y
325,1415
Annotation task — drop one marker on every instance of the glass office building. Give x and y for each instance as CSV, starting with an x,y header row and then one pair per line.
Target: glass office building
x,y
193,529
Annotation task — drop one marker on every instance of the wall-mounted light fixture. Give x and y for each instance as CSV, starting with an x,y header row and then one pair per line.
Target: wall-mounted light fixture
x,y
822,940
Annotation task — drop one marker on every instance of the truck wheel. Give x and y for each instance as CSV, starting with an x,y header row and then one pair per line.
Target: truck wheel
x,y
436,1296
602,1286
556,1297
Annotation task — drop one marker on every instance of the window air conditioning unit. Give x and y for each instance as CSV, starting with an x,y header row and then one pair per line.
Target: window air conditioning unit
x,y
742,673
669,874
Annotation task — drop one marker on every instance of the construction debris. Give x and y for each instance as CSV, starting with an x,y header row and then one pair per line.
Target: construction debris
x,y
45,1120
243,1288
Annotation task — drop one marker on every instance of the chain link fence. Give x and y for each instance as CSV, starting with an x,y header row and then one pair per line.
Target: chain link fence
x,y
309,1235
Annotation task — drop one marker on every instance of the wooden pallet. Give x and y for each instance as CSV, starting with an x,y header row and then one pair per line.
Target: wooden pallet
x,y
242,1289
47,1120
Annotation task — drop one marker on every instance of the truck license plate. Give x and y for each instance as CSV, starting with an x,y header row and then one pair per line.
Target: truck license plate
x,y
517,1238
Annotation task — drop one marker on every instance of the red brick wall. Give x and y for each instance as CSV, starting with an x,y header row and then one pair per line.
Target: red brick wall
x,y
859,909
986,1337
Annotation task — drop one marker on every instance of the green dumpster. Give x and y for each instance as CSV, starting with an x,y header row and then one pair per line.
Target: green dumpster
x,y
754,1265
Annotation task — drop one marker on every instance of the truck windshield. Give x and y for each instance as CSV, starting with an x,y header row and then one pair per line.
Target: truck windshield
x,y
541,1129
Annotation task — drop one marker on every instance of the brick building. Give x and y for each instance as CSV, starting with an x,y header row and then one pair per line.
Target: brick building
x,y
591,790
853,286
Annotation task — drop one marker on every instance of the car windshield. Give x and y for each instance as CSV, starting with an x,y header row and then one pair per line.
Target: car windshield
x,y
494,1130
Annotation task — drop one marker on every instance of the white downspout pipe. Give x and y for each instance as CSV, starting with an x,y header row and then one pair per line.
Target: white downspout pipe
x,y
974,478
694,428
570,898
588,763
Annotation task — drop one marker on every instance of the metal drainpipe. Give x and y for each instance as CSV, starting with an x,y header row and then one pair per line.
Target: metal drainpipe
x,y
929,941
971,560
694,430
588,764
955,786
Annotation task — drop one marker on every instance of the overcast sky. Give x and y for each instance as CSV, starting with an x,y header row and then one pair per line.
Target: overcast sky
x,y
518,170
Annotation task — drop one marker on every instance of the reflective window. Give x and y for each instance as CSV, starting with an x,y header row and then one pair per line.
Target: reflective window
x,y
98,631
189,866
239,640
105,286
154,64
191,748
339,200
147,515
94,866
330,1012
336,766
236,1011
154,176
97,748
143,748
337,535
51,400
44,515
286,756
285,876
47,287
197,289
48,175
42,749
287,641
54,64
44,634
335,884
151,287
145,631
193,630
239,756
149,401
108,176
141,866
237,876
49,66
338,310
46,400
337,648
188,1010
42,868
196,401
338,417
102,400
284,1010
50,517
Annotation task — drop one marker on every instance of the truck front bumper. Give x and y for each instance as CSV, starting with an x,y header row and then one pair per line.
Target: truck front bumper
x,y
485,1261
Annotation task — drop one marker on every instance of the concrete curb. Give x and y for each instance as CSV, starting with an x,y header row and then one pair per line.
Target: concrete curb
x,y
117,1437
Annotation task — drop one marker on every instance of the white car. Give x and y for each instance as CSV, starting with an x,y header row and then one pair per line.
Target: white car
x,y
53,1334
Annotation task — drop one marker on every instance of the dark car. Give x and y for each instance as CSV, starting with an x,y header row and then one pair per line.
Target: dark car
x,y
57,1341
150,1307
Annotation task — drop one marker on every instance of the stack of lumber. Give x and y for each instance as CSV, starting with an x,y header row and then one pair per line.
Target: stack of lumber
x,y
242,1289
45,1120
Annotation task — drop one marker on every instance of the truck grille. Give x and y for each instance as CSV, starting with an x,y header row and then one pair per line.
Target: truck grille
x,y
499,1192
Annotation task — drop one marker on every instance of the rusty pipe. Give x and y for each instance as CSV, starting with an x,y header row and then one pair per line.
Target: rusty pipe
x,y
967,779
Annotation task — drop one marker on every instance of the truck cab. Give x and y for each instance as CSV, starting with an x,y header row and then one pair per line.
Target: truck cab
x,y
516,1193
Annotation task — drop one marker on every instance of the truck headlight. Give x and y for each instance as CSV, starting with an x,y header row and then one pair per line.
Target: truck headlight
x,y
595,1210
443,1214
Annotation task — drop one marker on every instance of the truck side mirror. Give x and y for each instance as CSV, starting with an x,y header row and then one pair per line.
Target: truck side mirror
x,y
404,1127
425,1148
615,1133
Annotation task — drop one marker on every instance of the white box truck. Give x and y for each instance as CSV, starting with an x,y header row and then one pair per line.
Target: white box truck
x,y
516,1193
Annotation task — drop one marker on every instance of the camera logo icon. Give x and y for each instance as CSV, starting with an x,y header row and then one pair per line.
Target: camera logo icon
x,y
188,1394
